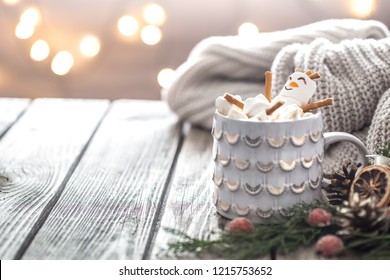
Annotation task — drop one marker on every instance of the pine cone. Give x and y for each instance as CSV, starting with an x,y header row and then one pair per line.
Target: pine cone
x,y
338,190
361,216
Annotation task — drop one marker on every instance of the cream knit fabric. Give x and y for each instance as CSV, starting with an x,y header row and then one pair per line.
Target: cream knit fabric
x,y
356,73
352,56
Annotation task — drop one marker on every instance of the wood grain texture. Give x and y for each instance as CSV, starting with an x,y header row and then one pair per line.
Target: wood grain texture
x,y
10,110
36,155
109,206
189,206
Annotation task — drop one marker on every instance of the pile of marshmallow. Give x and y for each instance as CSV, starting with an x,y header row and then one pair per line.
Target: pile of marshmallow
x,y
290,102
255,110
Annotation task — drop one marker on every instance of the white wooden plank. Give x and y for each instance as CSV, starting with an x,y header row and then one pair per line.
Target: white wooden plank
x,y
109,206
36,156
189,208
10,110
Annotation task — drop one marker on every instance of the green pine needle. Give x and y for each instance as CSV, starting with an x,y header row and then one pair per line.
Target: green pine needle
x,y
282,238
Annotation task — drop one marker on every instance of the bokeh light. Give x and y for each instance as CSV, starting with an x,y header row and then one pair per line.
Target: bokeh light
x,y
247,29
166,77
90,45
151,35
362,8
127,26
30,16
62,63
40,50
10,2
24,31
154,14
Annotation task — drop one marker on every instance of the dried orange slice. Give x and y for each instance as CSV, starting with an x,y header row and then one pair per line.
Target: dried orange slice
x,y
373,181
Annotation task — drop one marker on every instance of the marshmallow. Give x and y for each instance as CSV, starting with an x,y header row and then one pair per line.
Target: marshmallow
x,y
223,106
236,113
291,112
298,90
255,105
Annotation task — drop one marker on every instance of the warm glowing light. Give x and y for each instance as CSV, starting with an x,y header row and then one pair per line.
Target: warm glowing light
x,y
127,26
154,14
90,45
24,31
40,50
10,2
247,29
166,77
362,8
151,35
31,16
62,63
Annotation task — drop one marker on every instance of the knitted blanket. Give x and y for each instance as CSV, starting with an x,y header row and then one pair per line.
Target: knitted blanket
x,y
352,56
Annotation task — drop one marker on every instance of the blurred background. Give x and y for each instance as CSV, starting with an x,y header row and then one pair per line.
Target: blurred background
x,y
129,49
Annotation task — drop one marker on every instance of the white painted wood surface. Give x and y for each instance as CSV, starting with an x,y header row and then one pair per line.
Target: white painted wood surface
x,y
109,207
36,155
10,110
189,206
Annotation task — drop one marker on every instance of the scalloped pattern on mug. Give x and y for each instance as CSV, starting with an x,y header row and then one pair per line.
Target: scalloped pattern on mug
x,y
285,166
214,152
242,164
224,160
276,191
225,206
276,142
314,184
231,186
315,136
287,213
264,167
217,133
298,189
231,139
241,211
252,142
265,214
298,141
217,180
307,163
253,190
320,157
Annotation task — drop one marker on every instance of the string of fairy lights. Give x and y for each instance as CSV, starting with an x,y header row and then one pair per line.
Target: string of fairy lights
x,y
149,32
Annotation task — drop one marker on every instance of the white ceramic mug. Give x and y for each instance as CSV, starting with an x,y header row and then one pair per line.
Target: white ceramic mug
x,y
262,169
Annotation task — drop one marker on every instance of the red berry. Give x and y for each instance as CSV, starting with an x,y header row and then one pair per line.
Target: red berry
x,y
329,245
240,225
319,217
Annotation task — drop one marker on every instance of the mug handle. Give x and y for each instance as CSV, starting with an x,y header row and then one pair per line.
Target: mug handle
x,y
333,137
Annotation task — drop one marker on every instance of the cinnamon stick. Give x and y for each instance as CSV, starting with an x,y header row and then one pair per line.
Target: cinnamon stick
x,y
233,100
268,85
274,107
314,76
308,72
318,104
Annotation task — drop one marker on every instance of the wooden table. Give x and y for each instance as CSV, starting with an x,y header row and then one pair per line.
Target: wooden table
x,y
93,179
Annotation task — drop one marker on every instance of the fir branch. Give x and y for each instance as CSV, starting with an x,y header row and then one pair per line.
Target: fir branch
x,y
369,246
280,238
